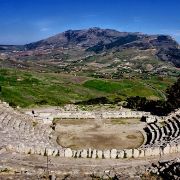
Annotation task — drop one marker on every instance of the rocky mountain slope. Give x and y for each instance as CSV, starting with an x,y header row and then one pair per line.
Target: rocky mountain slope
x,y
96,51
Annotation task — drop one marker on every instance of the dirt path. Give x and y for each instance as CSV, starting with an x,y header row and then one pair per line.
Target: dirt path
x,y
34,164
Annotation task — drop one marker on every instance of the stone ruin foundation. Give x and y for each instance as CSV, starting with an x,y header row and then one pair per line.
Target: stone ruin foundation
x,y
24,134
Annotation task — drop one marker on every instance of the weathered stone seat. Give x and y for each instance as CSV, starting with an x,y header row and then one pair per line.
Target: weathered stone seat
x,y
166,130
175,128
156,131
20,134
178,116
148,134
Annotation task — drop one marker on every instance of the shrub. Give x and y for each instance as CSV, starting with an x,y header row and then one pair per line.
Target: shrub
x,y
12,104
158,107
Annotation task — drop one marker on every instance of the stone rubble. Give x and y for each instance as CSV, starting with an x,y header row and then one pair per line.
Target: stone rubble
x,y
167,169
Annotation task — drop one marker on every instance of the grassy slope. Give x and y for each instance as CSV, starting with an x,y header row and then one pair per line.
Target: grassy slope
x,y
152,89
30,88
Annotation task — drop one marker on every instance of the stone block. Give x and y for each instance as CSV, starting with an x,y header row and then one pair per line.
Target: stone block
x,y
141,153
61,153
178,147
49,152
94,154
9,147
120,154
38,150
74,153
78,154
42,152
84,153
32,150
155,151
56,152
135,153
107,154
114,153
128,153
166,150
89,153
99,154
68,153
173,149
2,150
148,152
27,150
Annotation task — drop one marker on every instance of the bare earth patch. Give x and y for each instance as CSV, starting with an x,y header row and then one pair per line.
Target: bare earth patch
x,y
99,134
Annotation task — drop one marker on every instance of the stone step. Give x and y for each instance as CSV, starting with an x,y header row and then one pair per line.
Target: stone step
x,y
2,117
175,118
154,134
177,124
17,124
178,116
150,135
160,132
6,120
175,127
155,130
168,129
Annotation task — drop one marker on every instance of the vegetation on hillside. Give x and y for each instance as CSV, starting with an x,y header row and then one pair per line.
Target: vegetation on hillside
x,y
24,89
158,107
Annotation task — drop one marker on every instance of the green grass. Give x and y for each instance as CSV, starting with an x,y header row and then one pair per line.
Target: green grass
x,y
127,88
27,89
159,83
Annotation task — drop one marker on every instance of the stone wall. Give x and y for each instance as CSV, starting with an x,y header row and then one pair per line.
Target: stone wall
x,y
49,116
120,154
97,154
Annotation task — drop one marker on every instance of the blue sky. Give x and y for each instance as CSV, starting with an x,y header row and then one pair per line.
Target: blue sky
x,y
24,21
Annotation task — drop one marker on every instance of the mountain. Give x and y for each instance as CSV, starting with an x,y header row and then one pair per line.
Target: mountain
x,y
83,38
108,38
100,40
98,51
10,48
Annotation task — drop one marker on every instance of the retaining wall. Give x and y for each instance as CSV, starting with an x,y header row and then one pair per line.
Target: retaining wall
x,y
97,154
94,115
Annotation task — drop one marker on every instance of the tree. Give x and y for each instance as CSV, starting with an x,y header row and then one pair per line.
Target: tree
x,y
159,107
173,95
136,102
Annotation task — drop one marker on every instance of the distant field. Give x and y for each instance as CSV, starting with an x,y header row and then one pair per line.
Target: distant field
x,y
26,89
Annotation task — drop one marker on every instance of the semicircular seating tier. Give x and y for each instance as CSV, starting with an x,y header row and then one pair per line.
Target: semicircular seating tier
x,y
21,133
168,132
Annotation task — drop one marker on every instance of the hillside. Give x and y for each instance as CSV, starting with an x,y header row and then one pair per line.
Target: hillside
x,y
97,52
25,89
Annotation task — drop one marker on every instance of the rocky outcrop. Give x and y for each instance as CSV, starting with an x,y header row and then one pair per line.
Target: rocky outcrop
x,y
167,169
171,54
